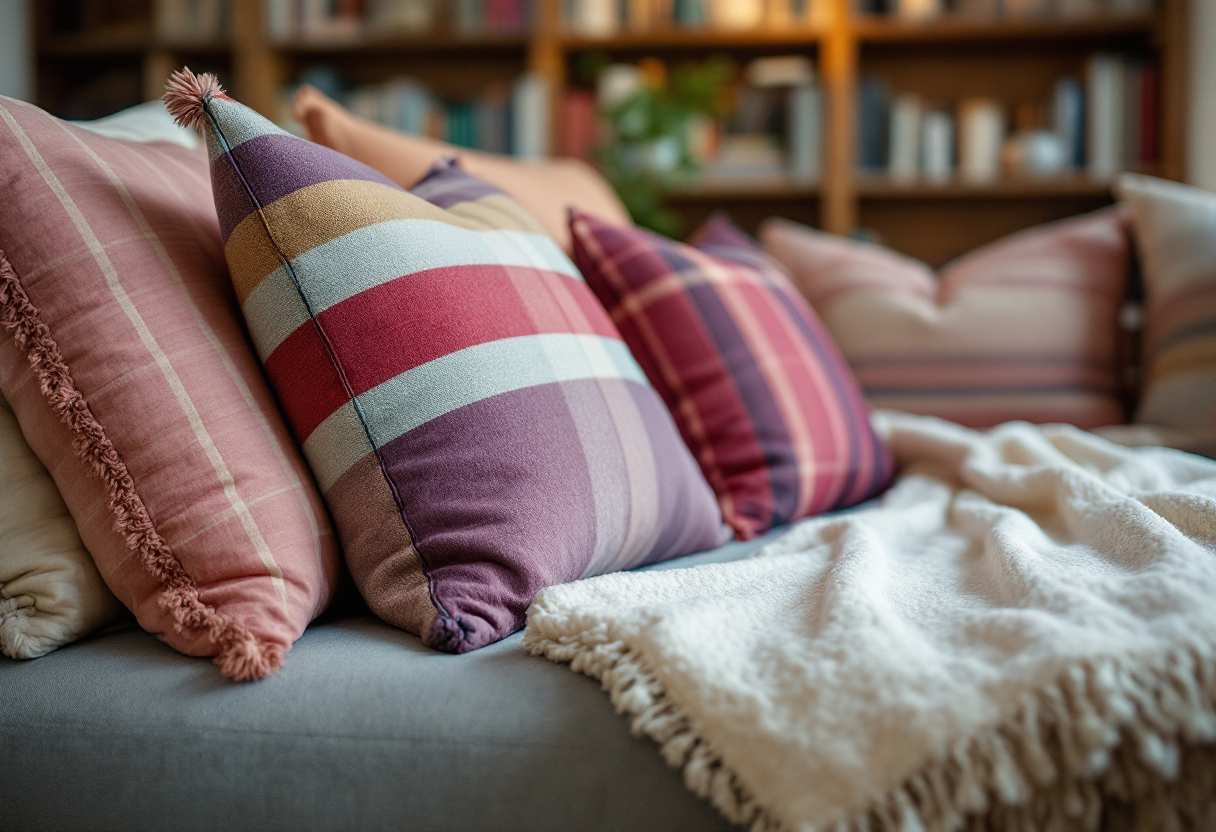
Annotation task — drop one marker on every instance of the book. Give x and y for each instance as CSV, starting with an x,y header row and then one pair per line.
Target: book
x,y
1148,113
981,133
937,145
1133,77
580,133
593,18
530,117
1104,102
903,155
873,112
735,15
805,132
918,9
1068,120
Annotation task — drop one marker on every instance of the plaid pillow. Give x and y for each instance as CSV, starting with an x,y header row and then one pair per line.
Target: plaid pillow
x,y
758,390
477,426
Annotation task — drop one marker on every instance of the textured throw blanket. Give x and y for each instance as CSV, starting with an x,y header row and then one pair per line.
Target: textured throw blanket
x,y
1021,636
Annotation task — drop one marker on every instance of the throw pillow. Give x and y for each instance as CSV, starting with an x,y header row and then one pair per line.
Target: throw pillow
x,y
476,425
761,396
545,188
1175,229
1023,328
50,591
179,472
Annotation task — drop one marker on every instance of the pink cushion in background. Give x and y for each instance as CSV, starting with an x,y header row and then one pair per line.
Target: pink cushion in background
x,y
1023,328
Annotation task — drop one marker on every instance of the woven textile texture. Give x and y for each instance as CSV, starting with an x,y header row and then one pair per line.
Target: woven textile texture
x,y
1023,328
477,426
128,369
1175,227
50,591
760,393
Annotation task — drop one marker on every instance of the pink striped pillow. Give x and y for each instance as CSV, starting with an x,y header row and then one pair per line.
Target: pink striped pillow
x,y
760,394
167,445
1023,328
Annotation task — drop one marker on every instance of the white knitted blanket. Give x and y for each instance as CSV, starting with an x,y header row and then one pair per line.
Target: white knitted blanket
x,y
1022,636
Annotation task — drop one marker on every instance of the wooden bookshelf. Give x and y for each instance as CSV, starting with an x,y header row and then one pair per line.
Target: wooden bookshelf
x,y
1015,60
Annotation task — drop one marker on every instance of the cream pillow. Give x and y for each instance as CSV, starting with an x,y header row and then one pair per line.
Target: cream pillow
x,y
50,592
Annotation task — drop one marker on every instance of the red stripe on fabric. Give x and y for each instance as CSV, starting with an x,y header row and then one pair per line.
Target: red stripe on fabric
x,y
308,385
393,327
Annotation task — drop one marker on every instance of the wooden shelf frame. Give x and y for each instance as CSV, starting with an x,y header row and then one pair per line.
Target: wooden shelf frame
x,y
838,45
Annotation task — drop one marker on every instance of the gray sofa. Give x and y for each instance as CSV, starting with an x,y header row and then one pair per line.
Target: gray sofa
x,y
363,729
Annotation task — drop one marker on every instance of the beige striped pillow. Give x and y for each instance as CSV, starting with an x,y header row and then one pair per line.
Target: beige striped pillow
x,y
1175,228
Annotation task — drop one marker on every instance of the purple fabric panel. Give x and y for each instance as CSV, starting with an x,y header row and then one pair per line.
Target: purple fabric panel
x,y
754,393
689,518
446,184
498,499
275,165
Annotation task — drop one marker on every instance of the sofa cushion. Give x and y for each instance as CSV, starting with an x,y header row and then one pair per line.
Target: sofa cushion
x,y
1023,328
364,729
133,381
761,396
1175,227
477,426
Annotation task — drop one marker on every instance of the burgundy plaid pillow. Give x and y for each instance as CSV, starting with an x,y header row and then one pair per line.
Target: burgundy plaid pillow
x,y
759,391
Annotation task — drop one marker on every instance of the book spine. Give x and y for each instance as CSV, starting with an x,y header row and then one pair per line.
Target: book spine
x,y
1104,103
937,146
981,132
904,151
530,102
805,132
1149,81
1069,121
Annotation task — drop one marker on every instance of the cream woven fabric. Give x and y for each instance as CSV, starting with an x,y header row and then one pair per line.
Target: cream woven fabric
x,y
1020,635
50,591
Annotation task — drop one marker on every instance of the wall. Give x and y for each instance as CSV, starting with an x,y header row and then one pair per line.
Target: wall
x,y
15,66
1201,138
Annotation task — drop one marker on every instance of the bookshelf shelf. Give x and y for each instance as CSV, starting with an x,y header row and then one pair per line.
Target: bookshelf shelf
x,y
728,190
1016,61
405,44
961,29
793,37
1010,188
125,40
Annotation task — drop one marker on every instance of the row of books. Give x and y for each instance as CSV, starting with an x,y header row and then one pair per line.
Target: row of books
x,y
605,18
1102,123
1063,9
774,129
510,118
181,21
339,20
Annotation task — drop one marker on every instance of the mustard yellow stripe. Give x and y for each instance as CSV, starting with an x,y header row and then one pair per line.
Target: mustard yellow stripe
x,y
1193,354
312,216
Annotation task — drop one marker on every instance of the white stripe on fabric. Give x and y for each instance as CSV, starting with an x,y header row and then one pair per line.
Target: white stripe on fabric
x,y
335,445
438,387
202,436
376,254
240,125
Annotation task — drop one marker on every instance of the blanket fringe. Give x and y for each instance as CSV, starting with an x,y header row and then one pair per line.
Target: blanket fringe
x,y
1117,745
